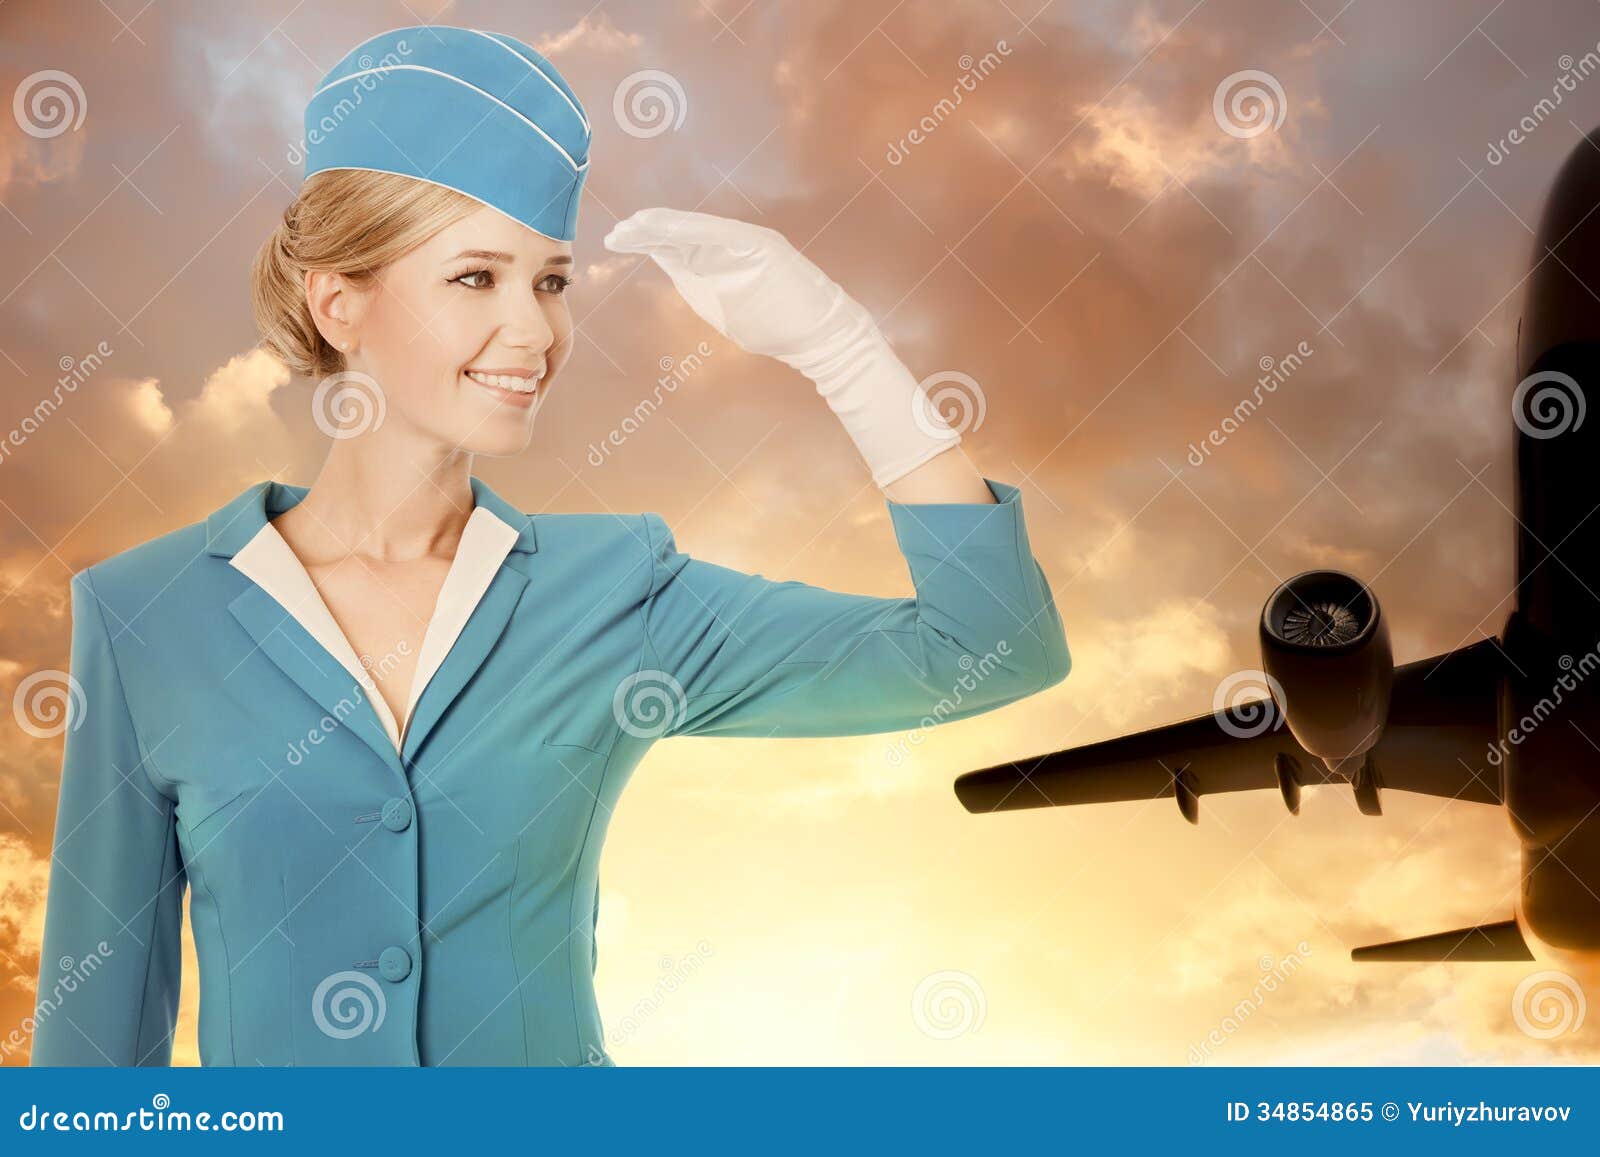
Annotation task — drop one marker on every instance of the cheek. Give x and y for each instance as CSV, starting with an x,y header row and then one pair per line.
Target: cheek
x,y
559,316
430,330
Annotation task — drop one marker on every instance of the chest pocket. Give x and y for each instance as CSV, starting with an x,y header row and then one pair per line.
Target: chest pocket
x,y
198,806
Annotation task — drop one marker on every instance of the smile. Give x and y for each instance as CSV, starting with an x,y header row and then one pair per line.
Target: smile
x,y
517,387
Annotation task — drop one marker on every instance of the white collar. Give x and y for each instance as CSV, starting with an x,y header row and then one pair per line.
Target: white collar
x,y
485,541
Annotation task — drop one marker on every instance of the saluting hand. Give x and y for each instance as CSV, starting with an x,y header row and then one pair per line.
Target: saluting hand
x,y
748,282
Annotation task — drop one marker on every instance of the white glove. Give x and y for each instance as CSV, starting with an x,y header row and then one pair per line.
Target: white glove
x,y
766,297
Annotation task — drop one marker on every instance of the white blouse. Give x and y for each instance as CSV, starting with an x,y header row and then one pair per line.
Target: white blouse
x,y
486,540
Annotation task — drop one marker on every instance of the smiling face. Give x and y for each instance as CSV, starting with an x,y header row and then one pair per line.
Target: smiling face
x,y
464,333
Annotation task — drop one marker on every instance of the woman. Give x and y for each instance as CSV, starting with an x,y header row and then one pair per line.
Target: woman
x,y
378,725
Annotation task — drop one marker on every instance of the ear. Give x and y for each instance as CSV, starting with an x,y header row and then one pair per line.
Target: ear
x,y
337,307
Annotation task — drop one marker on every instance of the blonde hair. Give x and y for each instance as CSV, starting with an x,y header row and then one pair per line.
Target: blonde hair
x,y
349,221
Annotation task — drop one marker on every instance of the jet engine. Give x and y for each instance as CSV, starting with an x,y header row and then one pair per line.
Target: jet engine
x,y
1325,650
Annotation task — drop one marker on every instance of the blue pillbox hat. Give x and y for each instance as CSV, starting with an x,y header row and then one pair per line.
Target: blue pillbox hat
x,y
478,112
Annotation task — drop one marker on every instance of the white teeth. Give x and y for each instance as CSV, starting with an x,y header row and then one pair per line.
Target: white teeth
x,y
505,381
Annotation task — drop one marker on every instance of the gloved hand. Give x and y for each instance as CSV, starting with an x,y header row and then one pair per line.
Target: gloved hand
x,y
766,297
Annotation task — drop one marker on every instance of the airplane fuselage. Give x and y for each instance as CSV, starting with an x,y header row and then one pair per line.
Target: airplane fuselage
x,y
1549,703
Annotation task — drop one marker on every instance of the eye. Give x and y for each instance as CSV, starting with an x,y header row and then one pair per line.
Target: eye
x,y
462,279
560,281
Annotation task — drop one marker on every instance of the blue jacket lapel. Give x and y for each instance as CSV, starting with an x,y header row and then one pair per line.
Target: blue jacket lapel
x,y
483,629
287,643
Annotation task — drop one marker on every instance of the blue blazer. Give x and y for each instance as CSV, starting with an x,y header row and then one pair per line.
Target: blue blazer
x,y
353,904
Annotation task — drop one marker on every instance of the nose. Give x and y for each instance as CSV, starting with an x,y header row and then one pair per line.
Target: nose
x,y
525,325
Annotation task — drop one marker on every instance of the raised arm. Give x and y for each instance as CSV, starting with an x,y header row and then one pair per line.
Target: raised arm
x,y
729,653
735,654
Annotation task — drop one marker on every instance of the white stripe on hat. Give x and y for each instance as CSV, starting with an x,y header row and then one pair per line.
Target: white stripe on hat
x,y
576,167
561,92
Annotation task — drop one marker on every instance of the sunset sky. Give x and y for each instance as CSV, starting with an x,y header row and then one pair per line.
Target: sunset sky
x,y
1107,259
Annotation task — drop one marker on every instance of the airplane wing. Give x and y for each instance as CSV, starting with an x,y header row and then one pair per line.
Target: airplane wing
x,y
1442,722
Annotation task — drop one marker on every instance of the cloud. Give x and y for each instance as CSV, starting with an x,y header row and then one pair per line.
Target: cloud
x,y
596,33
236,398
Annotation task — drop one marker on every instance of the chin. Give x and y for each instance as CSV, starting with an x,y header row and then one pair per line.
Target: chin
x,y
497,439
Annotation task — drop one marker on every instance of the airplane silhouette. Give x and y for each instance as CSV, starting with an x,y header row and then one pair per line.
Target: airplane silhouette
x,y
1511,721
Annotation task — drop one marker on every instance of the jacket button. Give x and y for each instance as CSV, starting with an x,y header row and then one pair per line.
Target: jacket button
x,y
397,814
394,963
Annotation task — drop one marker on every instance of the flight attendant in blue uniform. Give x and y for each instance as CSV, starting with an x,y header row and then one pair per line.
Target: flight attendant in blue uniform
x,y
377,726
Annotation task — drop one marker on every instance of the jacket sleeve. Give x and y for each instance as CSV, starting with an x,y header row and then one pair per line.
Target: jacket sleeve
x,y
733,654
110,966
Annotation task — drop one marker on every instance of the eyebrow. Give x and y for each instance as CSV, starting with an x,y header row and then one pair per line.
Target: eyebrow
x,y
507,258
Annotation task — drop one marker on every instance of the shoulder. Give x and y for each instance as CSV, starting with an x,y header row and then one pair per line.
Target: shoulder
x,y
620,534
606,552
150,569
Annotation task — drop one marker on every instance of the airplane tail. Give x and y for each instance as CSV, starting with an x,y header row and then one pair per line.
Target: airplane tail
x,y
1479,943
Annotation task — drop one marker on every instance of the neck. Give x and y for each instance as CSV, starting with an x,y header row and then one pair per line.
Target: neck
x,y
375,499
